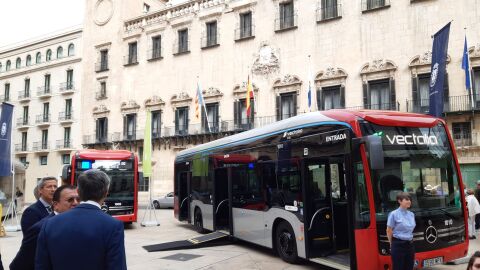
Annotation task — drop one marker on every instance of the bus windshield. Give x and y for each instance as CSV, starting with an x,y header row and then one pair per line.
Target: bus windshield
x,y
121,173
418,161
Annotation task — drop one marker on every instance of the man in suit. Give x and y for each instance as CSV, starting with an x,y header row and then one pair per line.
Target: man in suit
x,y
35,212
64,199
84,237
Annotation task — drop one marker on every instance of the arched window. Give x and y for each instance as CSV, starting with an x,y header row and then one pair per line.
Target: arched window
x,y
8,65
28,62
59,52
49,55
71,49
18,63
38,58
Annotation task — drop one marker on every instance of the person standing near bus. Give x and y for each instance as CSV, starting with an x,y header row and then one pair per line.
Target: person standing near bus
x,y
473,209
400,225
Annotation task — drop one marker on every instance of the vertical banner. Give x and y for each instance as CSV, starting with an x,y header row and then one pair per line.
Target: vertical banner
x,y
6,139
147,147
438,70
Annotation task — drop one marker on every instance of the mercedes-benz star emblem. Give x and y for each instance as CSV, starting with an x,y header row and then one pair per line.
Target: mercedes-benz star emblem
x,y
105,208
431,234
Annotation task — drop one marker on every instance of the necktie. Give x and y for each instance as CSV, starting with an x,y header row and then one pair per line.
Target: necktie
x,y
49,209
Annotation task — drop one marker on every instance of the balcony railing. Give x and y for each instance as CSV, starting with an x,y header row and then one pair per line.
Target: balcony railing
x,y
244,33
130,60
101,66
368,5
41,146
44,91
67,87
329,12
21,122
94,139
63,144
101,95
21,147
380,106
2,98
43,119
466,139
286,23
154,54
65,116
210,41
462,103
23,95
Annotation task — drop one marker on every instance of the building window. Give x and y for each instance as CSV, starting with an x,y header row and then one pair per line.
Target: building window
x,y
286,18
181,121
374,4
476,86
329,9
24,141
66,137
28,61
43,160
240,115
286,105
129,126
66,159
25,115
59,52
69,85
23,160
132,53
379,95
102,93
156,52
47,83
421,94
156,124
210,121
462,133
45,139
6,92
246,27
332,97
18,63
49,55
182,41
46,112
8,65
143,184
211,35
26,88
101,130
146,8
71,49
38,58
68,109
103,65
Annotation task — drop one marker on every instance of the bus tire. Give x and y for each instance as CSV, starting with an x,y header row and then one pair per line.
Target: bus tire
x,y
198,221
285,242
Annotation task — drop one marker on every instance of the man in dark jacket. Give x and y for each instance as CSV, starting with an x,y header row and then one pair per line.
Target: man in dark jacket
x,y
43,207
64,199
477,195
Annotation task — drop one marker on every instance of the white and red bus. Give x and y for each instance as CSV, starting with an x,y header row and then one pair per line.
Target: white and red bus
x,y
122,168
320,186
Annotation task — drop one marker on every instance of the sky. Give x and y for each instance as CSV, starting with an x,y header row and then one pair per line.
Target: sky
x,y
24,20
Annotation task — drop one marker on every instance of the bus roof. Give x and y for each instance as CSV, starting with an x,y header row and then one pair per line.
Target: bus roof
x,y
340,117
103,154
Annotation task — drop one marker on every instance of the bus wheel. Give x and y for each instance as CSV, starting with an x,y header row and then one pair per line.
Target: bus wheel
x,y
285,242
198,221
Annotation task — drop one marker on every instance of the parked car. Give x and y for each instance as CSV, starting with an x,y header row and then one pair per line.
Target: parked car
x,y
165,201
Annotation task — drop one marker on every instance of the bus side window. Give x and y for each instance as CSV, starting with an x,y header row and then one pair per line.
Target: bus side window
x,y
362,208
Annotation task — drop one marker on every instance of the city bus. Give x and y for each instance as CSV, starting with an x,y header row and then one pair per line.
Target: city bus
x,y
319,187
122,168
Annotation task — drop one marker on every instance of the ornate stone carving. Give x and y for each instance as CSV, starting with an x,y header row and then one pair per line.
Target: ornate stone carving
x,y
181,99
212,92
378,65
131,105
424,59
240,90
154,101
266,61
474,51
100,109
103,12
287,80
331,73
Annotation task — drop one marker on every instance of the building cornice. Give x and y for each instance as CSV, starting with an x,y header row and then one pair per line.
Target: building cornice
x,y
35,68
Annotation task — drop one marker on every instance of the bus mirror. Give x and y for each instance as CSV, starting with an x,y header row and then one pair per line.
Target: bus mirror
x,y
66,173
375,152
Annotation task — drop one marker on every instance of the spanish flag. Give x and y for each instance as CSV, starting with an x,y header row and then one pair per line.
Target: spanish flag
x,y
249,96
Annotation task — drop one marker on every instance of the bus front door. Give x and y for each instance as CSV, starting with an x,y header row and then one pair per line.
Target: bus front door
x,y
326,216
221,203
184,196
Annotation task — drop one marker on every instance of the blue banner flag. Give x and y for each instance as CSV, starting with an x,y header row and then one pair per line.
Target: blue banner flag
x,y
466,65
6,139
437,74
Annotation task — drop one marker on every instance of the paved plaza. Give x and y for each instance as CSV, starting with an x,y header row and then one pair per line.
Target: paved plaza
x,y
234,256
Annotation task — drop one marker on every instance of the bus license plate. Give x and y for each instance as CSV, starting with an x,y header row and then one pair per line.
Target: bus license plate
x,y
432,261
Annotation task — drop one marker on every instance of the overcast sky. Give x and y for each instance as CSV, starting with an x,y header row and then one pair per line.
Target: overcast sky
x,y
30,19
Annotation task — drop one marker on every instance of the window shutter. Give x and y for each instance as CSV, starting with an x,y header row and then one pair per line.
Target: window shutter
x,y
294,103
342,96
216,118
177,116
393,96
125,126
319,99
203,118
252,112
236,116
365,95
187,119
97,130
278,103
446,94
105,129
415,95
134,131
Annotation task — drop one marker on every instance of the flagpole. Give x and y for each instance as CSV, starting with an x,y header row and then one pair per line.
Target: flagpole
x,y
203,103
469,70
309,93
14,218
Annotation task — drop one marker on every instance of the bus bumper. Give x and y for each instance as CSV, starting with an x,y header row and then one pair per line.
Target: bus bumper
x,y
448,254
126,218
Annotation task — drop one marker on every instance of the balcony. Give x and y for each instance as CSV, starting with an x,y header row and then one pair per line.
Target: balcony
x,y
154,54
94,139
64,145
328,13
21,148
101,66
130,60
454,104
210,41
24,96
41,147
286,23
67,88
245,33
370,5
44,92
65,117
379,106
4,98
23,122
43,120
102,94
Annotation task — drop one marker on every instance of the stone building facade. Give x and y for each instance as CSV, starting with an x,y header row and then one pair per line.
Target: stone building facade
x,y
374,54
41,78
